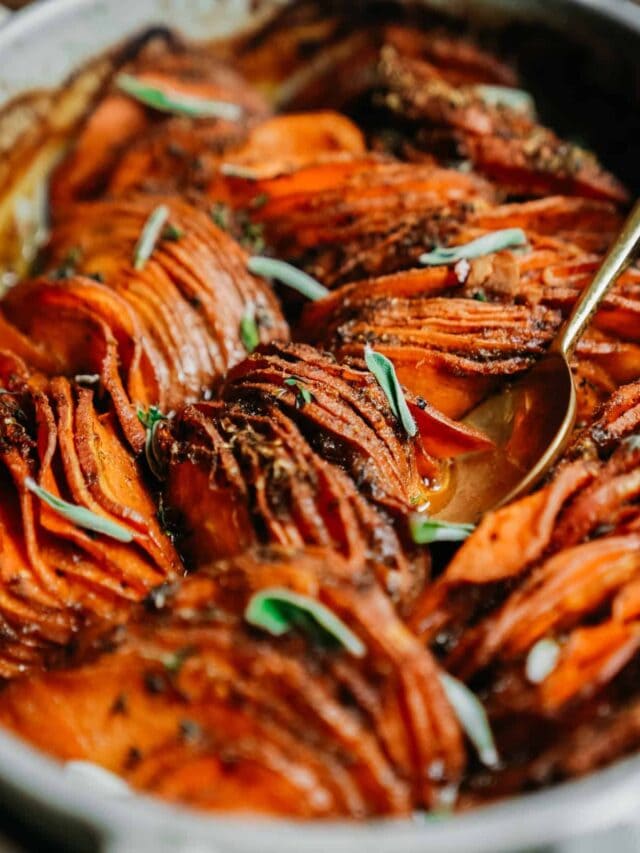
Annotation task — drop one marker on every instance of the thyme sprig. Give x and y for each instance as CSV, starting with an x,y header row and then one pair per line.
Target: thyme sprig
x,y
303,395
150,418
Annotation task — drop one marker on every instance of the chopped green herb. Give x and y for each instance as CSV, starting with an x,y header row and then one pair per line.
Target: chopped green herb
x,y
79,515
480,296
542,660
289,275
278,610
221,215
172,232
385,374
506,96
472,717
506,238
171,101
149,236
303,396
249,332
252,235
425,530
150,420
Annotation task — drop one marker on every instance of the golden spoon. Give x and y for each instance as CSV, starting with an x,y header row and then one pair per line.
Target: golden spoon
x,y
531,419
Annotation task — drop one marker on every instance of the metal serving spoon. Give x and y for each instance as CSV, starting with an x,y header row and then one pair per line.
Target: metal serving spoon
x,y
531,419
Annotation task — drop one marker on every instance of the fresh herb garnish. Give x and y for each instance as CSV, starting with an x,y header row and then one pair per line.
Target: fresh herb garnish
x,y
278,610
79,515
221,215
167,100
150,235
150,420
472,717
506,96
252,234
289,275
425,530
303,395
542,660
172,232
249,332
385,374
506,238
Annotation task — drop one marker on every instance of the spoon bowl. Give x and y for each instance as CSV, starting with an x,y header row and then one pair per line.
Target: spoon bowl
x,y
531,420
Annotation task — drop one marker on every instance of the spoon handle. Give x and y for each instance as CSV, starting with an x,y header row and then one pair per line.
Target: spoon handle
x,y
618,258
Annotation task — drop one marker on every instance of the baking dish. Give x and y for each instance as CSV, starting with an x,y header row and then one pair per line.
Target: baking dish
x,y
40,48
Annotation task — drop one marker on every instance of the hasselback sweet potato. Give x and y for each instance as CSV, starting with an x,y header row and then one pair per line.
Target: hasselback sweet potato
x,y
505,144
57,576
120,124
158,335
304,451
192,705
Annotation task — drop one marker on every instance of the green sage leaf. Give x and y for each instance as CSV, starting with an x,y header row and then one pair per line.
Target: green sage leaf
x,y
249,332
385,374
506,96
289,275
506,238
542,660
278,610
472,717
167,100
149,236
79,515
425,530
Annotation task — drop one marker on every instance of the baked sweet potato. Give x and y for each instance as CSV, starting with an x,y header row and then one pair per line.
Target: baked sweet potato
x,y
191,704
117,123
58,577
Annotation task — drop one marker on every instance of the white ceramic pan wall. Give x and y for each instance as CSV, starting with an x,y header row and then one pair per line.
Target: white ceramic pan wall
x,y
39,47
